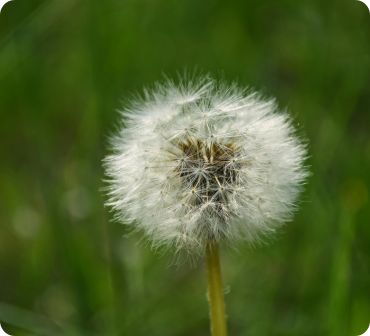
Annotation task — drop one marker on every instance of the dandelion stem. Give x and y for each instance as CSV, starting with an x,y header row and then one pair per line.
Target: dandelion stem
x,y
215,291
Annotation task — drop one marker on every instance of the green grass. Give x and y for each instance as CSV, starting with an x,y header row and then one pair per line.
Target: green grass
x,y
65,66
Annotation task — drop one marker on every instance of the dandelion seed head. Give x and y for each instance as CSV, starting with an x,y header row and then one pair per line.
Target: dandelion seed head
x,y
203,161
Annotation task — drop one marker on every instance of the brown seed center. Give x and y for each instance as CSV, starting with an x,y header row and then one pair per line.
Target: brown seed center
x,y
209,170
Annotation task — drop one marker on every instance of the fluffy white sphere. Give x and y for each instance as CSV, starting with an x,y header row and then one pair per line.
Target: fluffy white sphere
x,y
203,161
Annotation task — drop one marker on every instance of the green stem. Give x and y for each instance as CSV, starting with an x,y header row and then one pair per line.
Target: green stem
x,y
215,291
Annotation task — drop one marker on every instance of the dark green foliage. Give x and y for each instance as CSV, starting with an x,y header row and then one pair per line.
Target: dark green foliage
x,y
66,269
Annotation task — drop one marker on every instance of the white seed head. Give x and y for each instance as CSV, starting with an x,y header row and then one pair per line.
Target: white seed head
x,y
203,161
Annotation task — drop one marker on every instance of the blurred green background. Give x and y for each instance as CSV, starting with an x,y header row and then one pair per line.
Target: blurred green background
x,y
65,66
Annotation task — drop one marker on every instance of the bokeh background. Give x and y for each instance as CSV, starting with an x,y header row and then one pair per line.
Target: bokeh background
x,y
65,66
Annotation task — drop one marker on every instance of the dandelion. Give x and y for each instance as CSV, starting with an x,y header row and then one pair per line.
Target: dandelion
x,y
202,162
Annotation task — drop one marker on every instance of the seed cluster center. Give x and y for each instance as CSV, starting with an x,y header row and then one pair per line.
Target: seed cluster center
x,y
209,169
